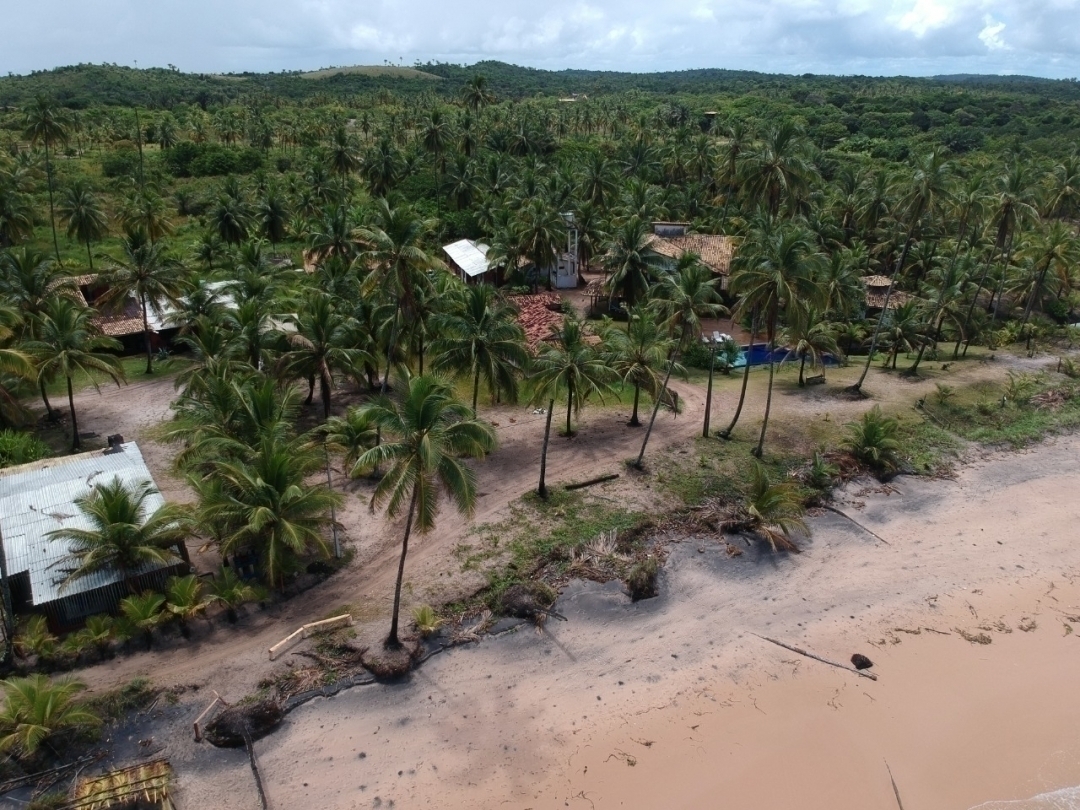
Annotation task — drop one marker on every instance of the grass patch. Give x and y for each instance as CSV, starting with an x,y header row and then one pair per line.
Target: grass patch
x,y
927,447
1017,412
539,540
131,697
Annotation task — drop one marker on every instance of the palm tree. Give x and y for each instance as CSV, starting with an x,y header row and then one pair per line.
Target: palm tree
x,y
148,274
81,209
37,709
229,590
45,123
67,343
321,346
480,337
13,364
773,511
16,214
539,230
264,504
271,214
1054,247
399,263
475,94
124,537
231,219
569,364
904,330
638,353
342,159
629,261
810,338
352,435
777,277
185,599
923,192
435,139
144,612
146,212
873,440
775,171
427,434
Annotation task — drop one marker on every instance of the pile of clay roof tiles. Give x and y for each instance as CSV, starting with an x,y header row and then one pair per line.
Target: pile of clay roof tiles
x,y
539,315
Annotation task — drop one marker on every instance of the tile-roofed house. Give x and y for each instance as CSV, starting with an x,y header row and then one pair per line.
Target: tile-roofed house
x,y
539,315
38,498
672,239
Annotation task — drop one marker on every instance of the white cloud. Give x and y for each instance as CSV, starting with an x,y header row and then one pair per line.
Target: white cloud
x,y
924,16
991,34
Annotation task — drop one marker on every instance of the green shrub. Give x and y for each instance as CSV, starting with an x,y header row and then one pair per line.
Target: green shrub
x,y
641,578
20,448
120,163
426,621
873,440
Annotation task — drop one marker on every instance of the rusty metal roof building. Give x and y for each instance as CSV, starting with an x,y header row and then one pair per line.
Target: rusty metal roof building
x,y
38,498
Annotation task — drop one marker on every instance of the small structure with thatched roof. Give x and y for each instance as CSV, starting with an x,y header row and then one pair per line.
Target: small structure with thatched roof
x,y
877,287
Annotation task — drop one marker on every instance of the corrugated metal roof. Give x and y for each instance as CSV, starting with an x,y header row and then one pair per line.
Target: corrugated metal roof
x,y
38,498
468,255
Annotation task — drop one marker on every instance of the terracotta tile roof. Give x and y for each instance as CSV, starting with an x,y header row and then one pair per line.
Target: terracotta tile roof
x,y
715,251
538,315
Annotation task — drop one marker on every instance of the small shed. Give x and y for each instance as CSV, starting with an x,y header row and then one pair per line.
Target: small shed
x,y
877,287
38,498
468,259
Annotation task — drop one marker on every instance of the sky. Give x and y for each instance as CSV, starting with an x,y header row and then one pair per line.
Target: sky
x,y
871,37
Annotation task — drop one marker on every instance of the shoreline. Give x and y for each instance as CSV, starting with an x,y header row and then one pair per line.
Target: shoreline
x,y
517,719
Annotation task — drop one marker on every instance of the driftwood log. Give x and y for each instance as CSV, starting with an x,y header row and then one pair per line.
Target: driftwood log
x,y
803,652
598,480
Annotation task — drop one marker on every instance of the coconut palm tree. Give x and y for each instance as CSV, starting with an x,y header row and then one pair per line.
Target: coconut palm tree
x,y
921,195
342,158
146,212
638,353
265,504
147,273
773,511
775,171
124,537
14,365
228,590
906,328
81,209
539,230
271,216
16,214
435,138
67,343
426,435
36,709
480,337
874,440
352,435
629,262
1054,247
810,338
570,365
185,598
475,94
231,219
394,250
777,278
683,298
322,346
45,123
144,612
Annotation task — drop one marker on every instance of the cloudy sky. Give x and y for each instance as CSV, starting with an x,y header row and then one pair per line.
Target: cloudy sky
x,y
875,37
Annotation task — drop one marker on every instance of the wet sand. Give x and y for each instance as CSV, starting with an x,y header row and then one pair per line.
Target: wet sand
x,y
709,714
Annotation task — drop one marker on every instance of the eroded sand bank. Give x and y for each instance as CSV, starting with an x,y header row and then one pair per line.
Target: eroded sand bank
x,y
709,713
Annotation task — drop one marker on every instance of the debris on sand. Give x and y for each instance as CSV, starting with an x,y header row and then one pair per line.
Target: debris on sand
x,y
234,726
860,661
521,602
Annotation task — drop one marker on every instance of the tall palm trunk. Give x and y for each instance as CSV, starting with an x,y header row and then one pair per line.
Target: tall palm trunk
x,y
726,433
1033,297
542,490
634,421
757,451
89,255
324,394
475,390
75,445
392,640
146,335
857,387
52,211
656,408
708,393
974,301
569,407
935,323
802,370
1004,277
45,398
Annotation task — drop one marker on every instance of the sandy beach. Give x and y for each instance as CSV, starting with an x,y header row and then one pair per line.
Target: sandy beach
x,y
966,604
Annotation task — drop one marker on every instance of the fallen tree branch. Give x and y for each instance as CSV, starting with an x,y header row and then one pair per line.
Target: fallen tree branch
x,y
800,651
895,789
598,480
853,520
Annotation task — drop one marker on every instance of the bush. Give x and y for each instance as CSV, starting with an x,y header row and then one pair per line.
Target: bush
x,y
189,159
426,621
20,448
120,163
873,440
